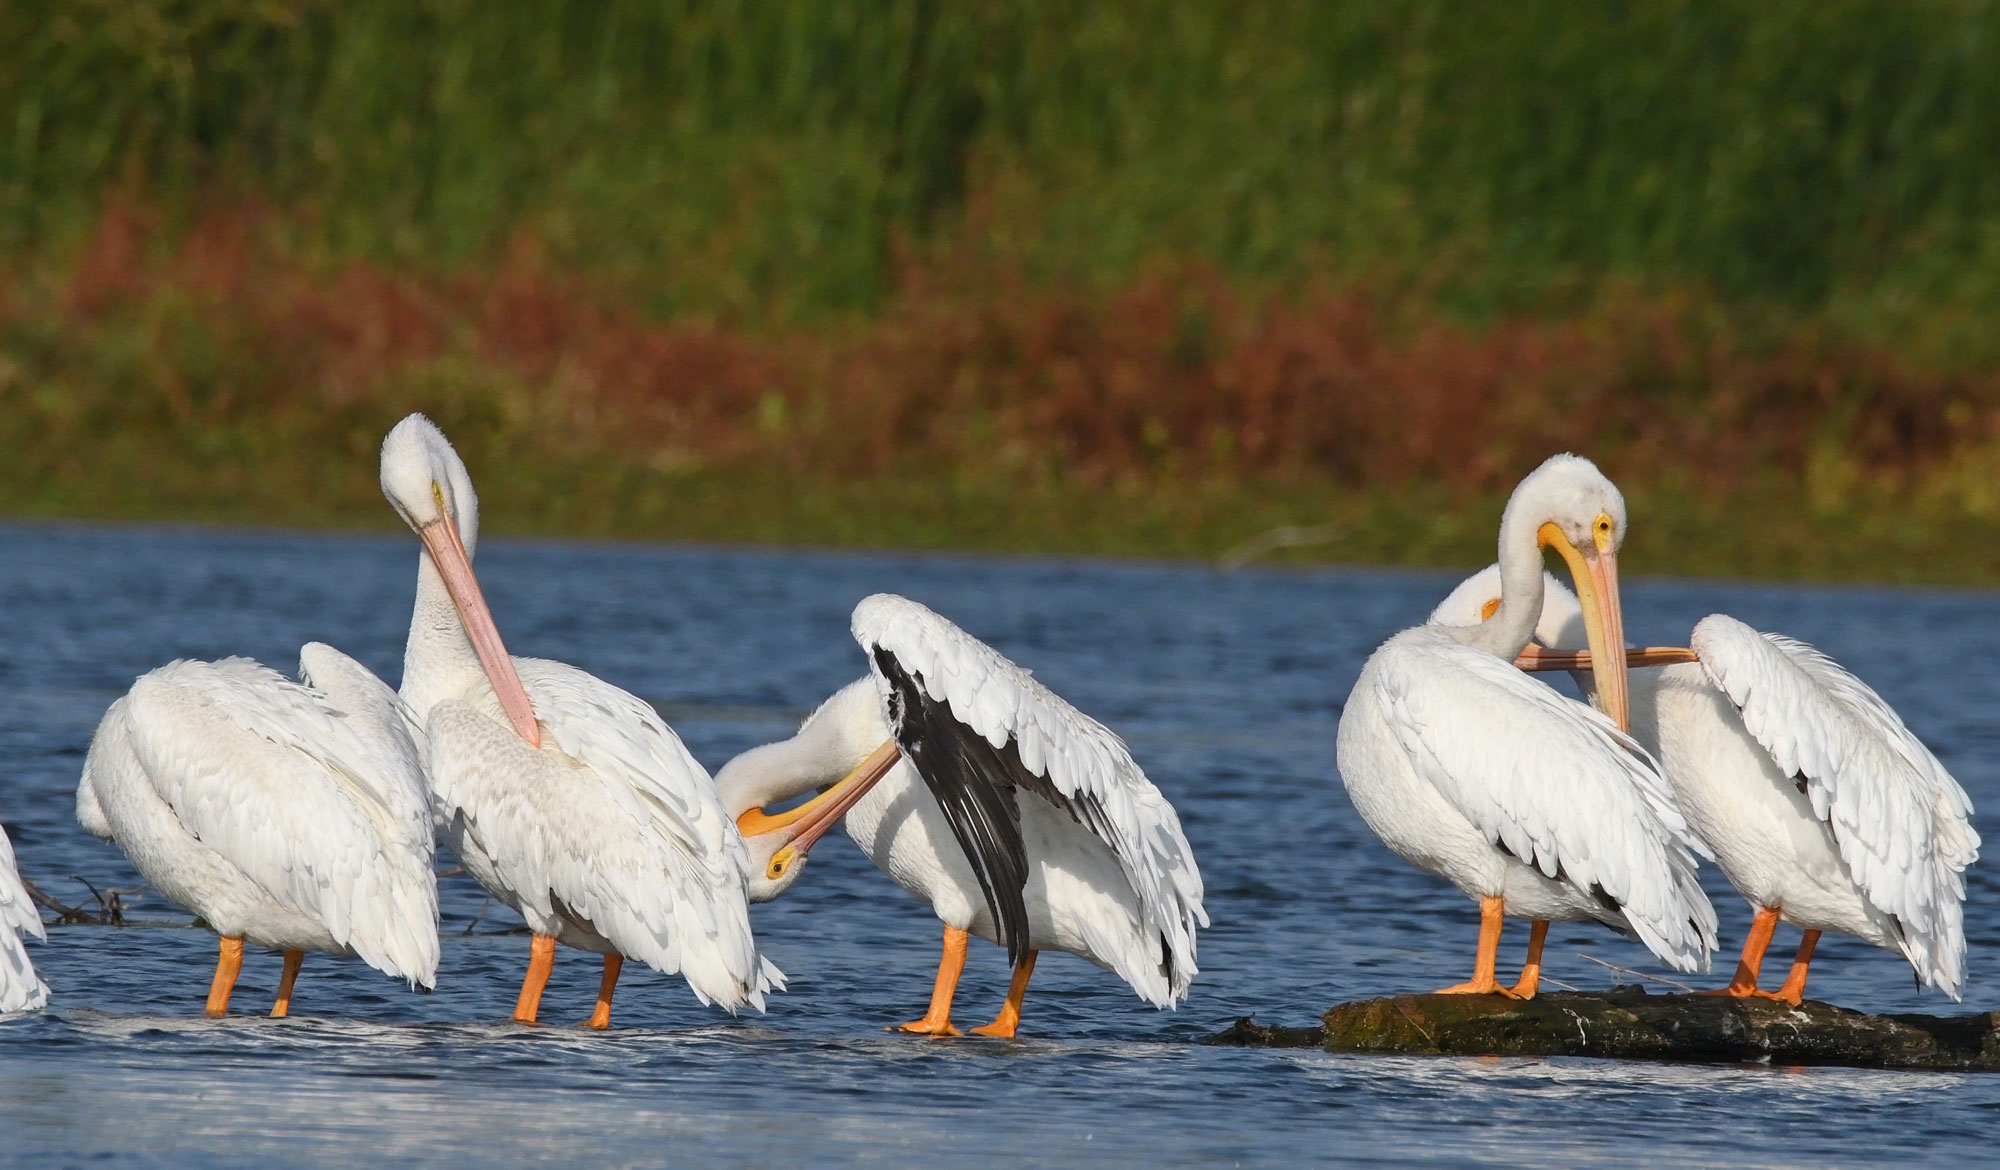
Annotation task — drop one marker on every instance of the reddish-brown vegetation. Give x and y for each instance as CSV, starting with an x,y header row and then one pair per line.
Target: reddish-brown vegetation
x,y
970,373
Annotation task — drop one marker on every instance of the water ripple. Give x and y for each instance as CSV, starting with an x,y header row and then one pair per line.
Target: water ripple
x,y
1228,687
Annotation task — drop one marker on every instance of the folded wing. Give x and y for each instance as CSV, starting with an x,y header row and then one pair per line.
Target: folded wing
x,y
317,800
1551,781
1902,824
640,848
21,989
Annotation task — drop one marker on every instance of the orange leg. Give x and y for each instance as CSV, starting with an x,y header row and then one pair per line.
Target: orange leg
x,y
1492,912
227,966
1794,989
601,1018
937,1021
541,960
1531,971
1762,926
1009,1019
283,1007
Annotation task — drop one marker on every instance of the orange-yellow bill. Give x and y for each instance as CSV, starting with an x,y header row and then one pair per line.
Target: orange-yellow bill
x,y
813,819
1595,573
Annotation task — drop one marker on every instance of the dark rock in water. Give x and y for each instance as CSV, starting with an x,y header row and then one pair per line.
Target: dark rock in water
x,y
1628,1024
1248,1033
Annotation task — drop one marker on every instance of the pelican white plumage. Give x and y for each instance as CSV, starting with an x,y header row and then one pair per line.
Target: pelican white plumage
x,y
567,798
21,989
1015,816
289,814
1821,807
1532,803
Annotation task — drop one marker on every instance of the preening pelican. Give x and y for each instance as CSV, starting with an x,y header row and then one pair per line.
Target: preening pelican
x,y
1821,807
1017,817
21,990
568,799
289,814
1534,804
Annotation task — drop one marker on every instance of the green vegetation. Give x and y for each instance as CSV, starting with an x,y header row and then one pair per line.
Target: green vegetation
x,y
1138,276
763,158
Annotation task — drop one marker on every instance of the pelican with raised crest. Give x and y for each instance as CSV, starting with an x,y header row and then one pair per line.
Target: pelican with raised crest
x,y
288,814
1820,806
568,799
1532,803
1018,818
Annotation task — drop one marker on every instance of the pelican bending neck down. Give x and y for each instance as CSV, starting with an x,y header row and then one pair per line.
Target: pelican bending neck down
x,y
1532,803
1822,809
21,989
568,799
289,814
1014,815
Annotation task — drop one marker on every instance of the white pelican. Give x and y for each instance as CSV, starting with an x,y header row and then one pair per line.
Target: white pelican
x,y
1821,807
1534,804
566,798
1017,817
21,990
290,814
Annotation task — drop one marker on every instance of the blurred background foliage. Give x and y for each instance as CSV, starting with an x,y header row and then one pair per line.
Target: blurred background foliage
x,y
1133,275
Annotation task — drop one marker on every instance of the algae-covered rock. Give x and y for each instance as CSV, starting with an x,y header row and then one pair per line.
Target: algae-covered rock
x,y
1628,1024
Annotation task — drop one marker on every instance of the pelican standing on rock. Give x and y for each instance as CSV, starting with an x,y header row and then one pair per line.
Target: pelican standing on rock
x,y
288,814
1821,807
1532,803
21,989
1015,816
567,798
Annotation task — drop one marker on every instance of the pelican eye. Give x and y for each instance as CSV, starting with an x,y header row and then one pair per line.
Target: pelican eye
x,y
1600,532
781,861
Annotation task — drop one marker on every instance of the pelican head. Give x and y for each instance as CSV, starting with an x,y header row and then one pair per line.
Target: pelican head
x,y
747,785
426,482
1569,495
1570,506
842,750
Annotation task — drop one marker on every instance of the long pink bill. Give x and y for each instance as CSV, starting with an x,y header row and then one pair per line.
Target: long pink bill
x,y
440,538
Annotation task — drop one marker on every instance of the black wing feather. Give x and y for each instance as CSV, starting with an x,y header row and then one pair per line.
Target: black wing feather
x,y
974,786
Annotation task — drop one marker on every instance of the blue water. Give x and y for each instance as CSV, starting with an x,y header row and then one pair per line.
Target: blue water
x,y
1227,687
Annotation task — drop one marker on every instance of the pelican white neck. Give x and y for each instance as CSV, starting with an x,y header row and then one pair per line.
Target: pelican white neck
x,y
451,629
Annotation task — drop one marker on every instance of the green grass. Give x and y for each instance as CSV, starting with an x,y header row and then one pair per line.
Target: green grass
x,y
262,478
769,160
1038,249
